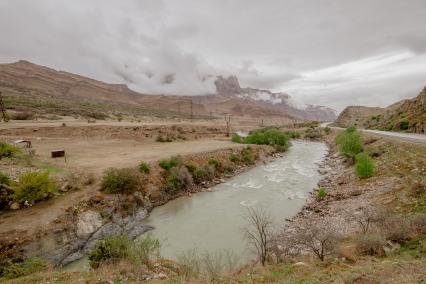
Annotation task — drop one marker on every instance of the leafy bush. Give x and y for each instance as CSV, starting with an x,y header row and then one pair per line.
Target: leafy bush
x,y
322,193
192,168
237,138
216,164
33,187
269,136
327,130
370,244
28,266
364,166
247,156
234,158
144,167
4,179
313,133
7,150
120,181
350,142
168,164
112,248
205,173
115,248
404,124
293,134
178,179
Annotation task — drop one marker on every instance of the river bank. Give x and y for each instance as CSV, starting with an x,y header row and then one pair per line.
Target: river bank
x,y
74,234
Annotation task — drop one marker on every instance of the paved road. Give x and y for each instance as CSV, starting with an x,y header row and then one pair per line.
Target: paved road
x,y
404,136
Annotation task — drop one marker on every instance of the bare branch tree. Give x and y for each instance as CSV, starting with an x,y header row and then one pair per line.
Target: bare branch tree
x,y
259,233
366,216
320,238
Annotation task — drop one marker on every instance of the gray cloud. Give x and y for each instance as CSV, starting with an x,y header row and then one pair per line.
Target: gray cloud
x,y
320,51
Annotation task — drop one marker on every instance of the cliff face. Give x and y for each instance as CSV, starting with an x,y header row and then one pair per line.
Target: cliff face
x,y
405,115
25,79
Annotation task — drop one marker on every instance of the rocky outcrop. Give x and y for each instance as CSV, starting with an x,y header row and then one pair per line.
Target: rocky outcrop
x,y
70,243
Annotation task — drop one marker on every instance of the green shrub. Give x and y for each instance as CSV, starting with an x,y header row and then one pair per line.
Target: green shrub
x,y
404,124
313,133
234,158
168,164
322,193
28,266
293,134
237,138
247,156
8,151
216,164
205,173
112,248
350,143
120,181
192,168
144,167
327,130
4,179
370,244
269,136
364,166
178,179
33,187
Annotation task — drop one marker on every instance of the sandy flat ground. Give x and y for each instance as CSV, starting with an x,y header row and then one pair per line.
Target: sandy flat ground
x,y
96,155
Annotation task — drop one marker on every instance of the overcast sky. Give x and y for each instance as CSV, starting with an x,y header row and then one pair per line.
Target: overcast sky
x,y
328,52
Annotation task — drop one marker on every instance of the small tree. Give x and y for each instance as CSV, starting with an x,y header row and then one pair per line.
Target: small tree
x,y
320,238
364,166
366,216
259,233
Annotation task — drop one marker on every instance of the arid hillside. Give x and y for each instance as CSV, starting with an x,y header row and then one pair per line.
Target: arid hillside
x,y
42,90
405,115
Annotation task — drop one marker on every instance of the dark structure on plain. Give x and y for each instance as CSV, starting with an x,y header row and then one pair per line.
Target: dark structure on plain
x,y
58,153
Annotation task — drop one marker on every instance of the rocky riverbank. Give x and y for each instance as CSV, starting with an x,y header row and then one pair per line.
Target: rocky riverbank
x,y
74,234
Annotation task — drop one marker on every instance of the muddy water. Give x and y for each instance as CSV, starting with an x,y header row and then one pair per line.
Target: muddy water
x,y
213,221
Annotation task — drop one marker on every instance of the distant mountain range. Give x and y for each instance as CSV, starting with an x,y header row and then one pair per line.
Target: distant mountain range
x,y
25,79
406,115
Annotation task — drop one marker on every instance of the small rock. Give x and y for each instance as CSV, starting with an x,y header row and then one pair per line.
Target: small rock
x,y
15,206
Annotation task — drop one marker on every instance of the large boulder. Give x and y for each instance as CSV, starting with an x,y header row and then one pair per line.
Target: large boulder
x,y
88,223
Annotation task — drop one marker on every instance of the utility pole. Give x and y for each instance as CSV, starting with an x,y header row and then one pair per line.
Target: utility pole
x,y
179,107
228,125
192,115
3,109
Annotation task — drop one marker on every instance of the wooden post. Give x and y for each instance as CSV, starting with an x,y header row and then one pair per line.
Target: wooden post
x,y
3,109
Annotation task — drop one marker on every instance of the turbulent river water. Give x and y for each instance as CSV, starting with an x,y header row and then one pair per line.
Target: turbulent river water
x,y
214,221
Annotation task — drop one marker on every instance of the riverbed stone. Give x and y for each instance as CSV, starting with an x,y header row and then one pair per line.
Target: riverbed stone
x,y
88,222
